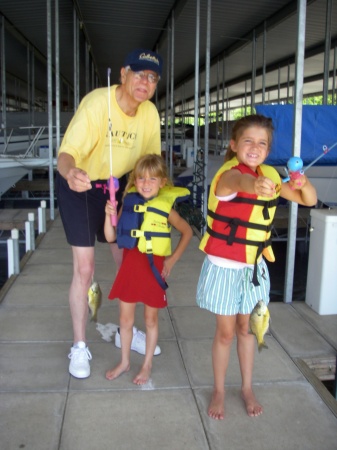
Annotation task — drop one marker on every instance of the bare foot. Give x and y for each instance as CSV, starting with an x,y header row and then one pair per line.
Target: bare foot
x,y
143,376
253,407
116,371
216,409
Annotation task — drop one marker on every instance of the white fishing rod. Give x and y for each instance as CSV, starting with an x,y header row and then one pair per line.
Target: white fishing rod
x,y
113,183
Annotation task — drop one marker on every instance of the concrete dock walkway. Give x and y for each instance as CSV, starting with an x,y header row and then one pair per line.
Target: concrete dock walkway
x,y
42,407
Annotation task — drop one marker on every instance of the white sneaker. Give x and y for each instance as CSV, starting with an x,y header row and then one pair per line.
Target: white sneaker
x,y
138,343
79,356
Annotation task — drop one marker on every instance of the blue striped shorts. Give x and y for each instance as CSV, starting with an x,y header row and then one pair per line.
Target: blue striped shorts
x,y
229,292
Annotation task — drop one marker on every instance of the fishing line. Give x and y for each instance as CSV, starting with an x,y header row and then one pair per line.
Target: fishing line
x,y
295,168
87,208
109,121
325,151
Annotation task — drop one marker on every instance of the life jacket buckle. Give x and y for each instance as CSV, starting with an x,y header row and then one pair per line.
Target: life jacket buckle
x,y
136,233
148,246
140,208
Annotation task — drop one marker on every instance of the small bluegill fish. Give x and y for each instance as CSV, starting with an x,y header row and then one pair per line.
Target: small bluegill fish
x,y
94,300
259,323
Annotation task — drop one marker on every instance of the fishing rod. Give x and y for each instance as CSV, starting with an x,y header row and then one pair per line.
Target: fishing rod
x,y
113,183
295,164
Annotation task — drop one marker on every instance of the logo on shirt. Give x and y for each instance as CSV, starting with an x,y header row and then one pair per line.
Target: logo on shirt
x,y
120,136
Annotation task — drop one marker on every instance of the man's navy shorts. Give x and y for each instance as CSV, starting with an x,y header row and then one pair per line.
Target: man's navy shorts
x,y
83,213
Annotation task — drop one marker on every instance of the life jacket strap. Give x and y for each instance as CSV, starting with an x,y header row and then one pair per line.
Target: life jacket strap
x,y
266,204
160,280
255,280
144,208
260,246
148,237
238,222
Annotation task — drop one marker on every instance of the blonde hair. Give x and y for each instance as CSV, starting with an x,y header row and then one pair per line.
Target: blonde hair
x,y
254,120
153,164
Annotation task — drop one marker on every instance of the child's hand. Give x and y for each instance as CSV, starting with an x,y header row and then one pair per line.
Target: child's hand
x,y
167,267
110,209
297,183
264,187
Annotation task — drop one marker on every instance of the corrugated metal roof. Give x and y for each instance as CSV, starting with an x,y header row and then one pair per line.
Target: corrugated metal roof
x,y
112,28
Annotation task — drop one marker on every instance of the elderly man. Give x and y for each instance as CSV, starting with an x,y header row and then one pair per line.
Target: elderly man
x,y
121,118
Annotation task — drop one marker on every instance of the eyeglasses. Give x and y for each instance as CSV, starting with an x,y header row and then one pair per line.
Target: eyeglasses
x,y
140,76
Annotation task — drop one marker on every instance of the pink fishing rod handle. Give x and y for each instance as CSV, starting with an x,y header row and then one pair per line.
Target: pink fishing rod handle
x,y
113,220
113,187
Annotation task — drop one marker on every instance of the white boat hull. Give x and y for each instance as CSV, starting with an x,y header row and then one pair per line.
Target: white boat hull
x,y
12,169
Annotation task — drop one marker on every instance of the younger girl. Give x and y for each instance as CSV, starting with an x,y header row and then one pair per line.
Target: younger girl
x,y
144,232
234,276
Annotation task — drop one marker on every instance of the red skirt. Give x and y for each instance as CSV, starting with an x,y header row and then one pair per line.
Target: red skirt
x,y
135,281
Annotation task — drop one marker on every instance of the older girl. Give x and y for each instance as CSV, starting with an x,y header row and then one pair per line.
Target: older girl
x,y
234,275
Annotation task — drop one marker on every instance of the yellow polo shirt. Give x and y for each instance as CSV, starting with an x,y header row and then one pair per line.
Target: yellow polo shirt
x,y
87,137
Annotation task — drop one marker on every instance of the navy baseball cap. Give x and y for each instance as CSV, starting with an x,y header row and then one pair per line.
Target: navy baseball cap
x,y
142,59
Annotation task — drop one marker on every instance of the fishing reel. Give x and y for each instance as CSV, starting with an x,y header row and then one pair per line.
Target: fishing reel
x,y
115,182
293,169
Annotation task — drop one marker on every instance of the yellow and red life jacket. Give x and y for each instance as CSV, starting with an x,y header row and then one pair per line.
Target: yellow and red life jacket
x,y
240,229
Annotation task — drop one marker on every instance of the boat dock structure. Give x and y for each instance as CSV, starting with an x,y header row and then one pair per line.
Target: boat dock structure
x,y
43,407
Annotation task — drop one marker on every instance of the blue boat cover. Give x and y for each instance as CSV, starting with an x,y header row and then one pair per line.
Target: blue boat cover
x,y
319,129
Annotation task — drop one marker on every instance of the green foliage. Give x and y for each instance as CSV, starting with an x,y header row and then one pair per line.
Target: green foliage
x,y
236,114
317,100
241,112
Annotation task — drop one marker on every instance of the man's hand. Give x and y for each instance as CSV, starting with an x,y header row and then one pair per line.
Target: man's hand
x,y
78,180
